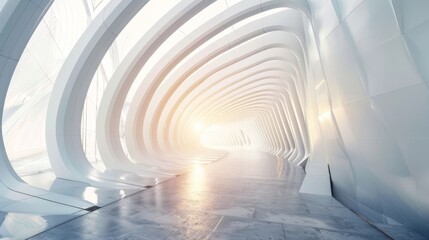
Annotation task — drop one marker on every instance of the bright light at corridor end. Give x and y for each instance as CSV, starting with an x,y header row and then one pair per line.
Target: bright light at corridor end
x,y
227,137
198,127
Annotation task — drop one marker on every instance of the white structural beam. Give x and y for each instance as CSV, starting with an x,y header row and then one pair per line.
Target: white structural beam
x,y
63,131
18,21
114,97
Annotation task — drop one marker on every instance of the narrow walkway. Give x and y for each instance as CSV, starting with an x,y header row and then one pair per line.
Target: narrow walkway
x,y
243,196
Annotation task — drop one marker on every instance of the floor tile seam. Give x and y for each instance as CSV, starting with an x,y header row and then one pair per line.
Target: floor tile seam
x,y
345,232
321,217
59,225
114,202
299,225
166,181
332,229
373,225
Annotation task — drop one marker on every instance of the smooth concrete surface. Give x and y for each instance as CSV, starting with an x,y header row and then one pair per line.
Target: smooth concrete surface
x,y
246,195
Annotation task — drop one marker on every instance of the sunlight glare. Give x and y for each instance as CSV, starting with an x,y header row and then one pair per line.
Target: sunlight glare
x,y
198,127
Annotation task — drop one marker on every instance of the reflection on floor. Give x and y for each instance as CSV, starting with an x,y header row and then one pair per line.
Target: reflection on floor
x,y
16,223
243,196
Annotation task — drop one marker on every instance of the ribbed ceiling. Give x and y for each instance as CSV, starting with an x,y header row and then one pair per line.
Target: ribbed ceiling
x,y
126,94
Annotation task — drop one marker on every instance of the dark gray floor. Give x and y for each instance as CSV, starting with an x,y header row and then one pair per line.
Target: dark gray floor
x,y
243,196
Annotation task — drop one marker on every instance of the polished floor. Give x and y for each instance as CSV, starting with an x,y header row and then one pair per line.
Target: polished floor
x,y
242,196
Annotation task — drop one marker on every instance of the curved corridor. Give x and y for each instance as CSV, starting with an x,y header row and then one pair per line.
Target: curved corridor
x,y
287,115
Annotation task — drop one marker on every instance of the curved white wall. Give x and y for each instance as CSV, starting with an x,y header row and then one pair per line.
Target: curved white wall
x,y
373,90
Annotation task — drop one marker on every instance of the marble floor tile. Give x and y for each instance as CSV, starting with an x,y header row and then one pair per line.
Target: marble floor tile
x,y
400,232
245,195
